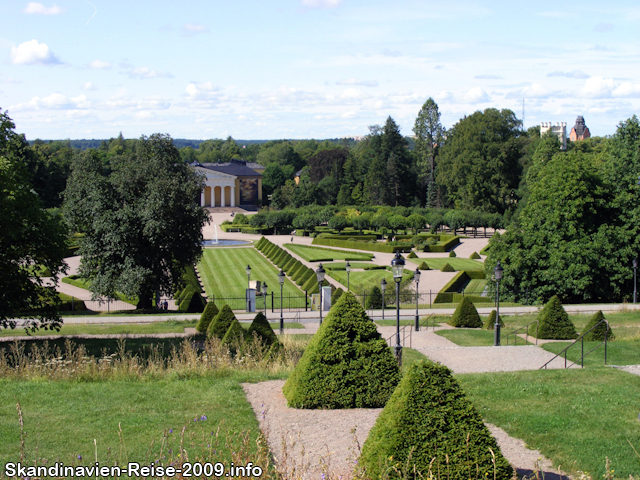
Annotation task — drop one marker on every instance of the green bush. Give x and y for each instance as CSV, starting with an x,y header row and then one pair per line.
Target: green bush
x,y
235,335
428,426
372,247
424,266
452,254
475,256
412,255
554,322
305,276
209,313
336,296
261,327
374,299
465,316
447,268
192,303
311,282
220,324
347,364
490,322
597,334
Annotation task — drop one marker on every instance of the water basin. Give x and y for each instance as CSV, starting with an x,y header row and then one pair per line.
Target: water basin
x,y
224,243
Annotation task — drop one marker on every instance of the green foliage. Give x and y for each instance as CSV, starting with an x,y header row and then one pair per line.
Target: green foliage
x,y
221,323
412,255
452,254
374,299
71,304
373,247
311,283
465,315
447,268
346,364
428,426
475,256
554,322
597,334
490,322
262,328
192,303
423,266
235,334
337,293
209,313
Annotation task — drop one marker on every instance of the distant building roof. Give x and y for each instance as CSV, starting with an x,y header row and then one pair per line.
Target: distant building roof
x,y
238,168
580,126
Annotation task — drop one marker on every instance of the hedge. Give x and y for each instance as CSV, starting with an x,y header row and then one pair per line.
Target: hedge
x,y
474,256
192,303
447,268
456,284
235,335
465,316
209,313
443,247
554,322
490,322
372,247
597,334
344,236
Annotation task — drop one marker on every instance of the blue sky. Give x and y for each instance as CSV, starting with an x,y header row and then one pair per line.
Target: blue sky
x,y
310,68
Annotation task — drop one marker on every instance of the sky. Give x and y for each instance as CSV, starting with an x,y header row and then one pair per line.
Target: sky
x,y
297,69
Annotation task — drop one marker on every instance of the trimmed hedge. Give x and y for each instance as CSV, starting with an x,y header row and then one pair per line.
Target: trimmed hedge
x,y
235,334
372,247
554,322
306,275
424,266
412,255
192,303
220,324
465,316
335,296
347,364
447,268
374,299
597,334
444,244
262,328
490,322
474,256
429,429
452,254
209,313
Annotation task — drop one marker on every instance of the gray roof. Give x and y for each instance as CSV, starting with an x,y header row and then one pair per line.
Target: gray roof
x,y
580,126
237,168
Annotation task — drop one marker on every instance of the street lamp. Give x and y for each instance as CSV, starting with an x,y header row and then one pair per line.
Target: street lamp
x,y
347,267
383,287
397,268
416,277
320,276
264,294
281,276
635,291
497,273
248,270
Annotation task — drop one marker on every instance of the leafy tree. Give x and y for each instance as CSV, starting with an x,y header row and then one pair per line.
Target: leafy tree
x,y
339,222
142,224
416,222
30,240
428,135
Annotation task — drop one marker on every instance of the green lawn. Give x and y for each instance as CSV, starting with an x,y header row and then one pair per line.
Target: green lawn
x,y
365,279
436,263
577,418
619,352
223,273
475,286
475,337
316,254
80,282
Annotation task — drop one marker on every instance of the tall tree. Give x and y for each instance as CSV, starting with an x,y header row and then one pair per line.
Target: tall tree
x,y
428,135
394,152
142,224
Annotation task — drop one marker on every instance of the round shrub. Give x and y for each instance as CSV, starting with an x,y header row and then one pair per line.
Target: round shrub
x,y
490,322
554,322
347,364
447,268
597,334
452,254
209,313
475,256
429,429
466,315
374,299
220,324
262,328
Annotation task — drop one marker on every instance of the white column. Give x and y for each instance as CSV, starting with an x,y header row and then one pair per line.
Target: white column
x,y
202,197
222,199
233,196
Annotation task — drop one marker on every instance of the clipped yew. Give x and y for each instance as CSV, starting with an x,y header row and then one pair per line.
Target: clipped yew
x,y
452,254
220,324
466,315
209,313
429,429
412,255
335,296
347,364
235,334
261,327
192,303
374,299
424,266
597,334
447,268
554,322
475,256
490,322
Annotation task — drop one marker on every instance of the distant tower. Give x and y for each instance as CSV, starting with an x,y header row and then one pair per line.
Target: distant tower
x,y
559,130
580,131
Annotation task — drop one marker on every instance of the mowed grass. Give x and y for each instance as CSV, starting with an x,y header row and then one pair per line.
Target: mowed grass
x,y
619,352
436,263
62,418
577,418
170,326
223,273
366,279
315,254
476,286
475,337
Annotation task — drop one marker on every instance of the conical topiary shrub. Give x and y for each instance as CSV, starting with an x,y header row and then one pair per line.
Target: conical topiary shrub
x,y
412,255
554,322
374,299
490,322
452,254
262,328
335,296
475,256
428,426
447,268
347,364
465,315
220,324
235,334
597,334
423,266
209,313
192,303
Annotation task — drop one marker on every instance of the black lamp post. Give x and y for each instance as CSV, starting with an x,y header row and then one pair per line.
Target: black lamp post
x,y
264,294
383,287
281,276
397,268
635,291
248,270
497,273
416,277
320,276
347,267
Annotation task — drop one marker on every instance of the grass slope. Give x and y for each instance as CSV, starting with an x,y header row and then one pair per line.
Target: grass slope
x,y
436,263
314,254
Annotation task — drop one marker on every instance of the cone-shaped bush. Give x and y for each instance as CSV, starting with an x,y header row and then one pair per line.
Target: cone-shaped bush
x,y
374,299
423,266
465,315
452,254
220,324
209,313
490,322
447,268
336,296
554,322
235,334
192,303
429,424
475,256
597,334
412,255
261,327
347,364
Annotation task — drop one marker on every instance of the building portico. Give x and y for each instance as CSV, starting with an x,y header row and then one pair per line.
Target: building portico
x,y
230,185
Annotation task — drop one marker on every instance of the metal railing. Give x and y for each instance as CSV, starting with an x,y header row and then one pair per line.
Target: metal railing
x,y
581,340
405,332
526,338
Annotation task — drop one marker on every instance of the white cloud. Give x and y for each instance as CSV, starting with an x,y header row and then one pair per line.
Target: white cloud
x,y
55,101
574,74
472,96
100,65
32,53
391,53
201,91
89,86
535,90
321,3
598,87
362,83
488,77
35,8
146,72
194,29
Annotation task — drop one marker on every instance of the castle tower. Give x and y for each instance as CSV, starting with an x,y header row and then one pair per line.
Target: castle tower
x,y
580,131
559,130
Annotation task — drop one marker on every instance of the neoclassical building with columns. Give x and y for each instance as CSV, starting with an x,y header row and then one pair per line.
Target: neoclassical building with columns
x,y
233,184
